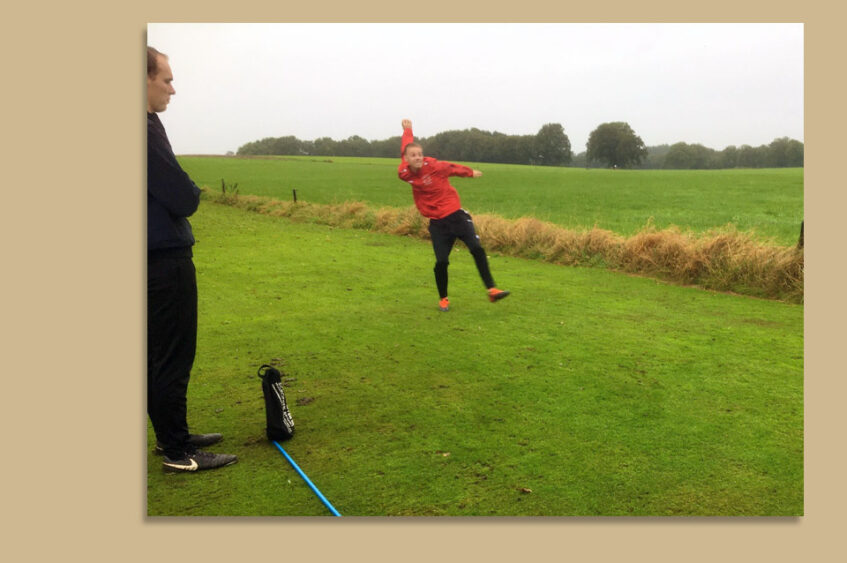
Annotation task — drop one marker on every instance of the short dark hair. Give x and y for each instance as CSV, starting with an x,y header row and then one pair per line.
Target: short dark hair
x,y
152,61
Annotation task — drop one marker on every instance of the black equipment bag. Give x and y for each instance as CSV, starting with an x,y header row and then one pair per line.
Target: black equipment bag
x,y
280,425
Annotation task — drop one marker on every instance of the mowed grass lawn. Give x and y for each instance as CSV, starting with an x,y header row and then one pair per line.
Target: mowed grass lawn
x,y
584,393
765,202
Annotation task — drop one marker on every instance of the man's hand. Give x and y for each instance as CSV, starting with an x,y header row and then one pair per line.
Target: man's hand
x,y
477,173
407,124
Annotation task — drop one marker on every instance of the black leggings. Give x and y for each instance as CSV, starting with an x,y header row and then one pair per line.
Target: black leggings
x,y
444,233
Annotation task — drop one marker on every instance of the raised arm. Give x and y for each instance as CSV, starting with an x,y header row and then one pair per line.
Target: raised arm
x,y
408,137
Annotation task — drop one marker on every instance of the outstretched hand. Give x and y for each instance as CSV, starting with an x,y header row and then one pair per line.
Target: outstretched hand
x,y
407,124
477,173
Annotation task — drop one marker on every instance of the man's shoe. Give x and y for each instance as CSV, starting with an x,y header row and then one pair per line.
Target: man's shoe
x,y
197,461
444,304
495,294
195,440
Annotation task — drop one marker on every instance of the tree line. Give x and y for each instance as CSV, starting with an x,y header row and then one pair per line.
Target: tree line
x,y
610,145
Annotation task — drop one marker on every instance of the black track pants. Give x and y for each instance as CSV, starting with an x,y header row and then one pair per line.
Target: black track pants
x,y
171,345
444,232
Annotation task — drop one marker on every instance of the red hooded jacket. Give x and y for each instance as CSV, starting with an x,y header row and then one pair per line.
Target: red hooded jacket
x,y
434,197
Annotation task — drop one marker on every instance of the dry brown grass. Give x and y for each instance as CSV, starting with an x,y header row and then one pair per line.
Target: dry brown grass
x,y
725,260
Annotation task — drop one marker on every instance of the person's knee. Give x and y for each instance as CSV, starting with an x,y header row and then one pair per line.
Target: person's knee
x,y
441,265
478,251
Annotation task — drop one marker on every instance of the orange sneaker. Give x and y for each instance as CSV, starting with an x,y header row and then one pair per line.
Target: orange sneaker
x,y
495,294
444,304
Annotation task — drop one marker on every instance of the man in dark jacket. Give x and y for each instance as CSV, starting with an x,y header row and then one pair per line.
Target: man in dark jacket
x,y
171,288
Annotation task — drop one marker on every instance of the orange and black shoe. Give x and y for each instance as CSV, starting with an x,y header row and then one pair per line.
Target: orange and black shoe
x,y
444,304
495,294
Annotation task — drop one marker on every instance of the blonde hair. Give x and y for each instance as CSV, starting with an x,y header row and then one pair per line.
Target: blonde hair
x,y
412,144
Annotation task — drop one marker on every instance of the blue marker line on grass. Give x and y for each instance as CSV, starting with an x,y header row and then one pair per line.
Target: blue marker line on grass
x,y
308,482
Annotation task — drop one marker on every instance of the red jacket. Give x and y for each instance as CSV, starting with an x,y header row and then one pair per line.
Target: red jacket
x,y
434,197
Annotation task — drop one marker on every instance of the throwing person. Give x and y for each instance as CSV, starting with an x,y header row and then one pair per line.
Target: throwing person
x,y
438,201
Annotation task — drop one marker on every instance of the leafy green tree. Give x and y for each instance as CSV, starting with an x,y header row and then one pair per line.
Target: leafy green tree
x,y
475,145
285,145
261,146
388,148
513,149
307,148
552,146
324,146
615,144
728,157
785,152
353,146
655,157
749,157
689,157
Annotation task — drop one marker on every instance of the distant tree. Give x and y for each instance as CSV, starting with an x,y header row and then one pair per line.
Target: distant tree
x,y
388,148
503,148
261,146
285,145
447,145
615,144
353,146
679,156
475,145
655,156
324,146
685,156
513,149
728,157
552,147
749,157
579,160
307,148
785,152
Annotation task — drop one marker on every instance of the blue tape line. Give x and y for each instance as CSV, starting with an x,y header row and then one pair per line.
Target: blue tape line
x,y
308,481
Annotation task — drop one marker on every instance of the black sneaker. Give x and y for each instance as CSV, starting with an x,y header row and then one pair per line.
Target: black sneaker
x,y
197,461
195,440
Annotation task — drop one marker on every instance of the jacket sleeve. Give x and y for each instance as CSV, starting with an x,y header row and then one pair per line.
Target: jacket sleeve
x,y
167,182
408,137
451,169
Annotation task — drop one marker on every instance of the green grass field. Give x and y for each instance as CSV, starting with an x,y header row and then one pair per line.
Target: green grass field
x,y
768,203
584,393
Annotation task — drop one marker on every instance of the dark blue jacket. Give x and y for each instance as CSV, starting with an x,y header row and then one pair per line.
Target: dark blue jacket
x,y
171,194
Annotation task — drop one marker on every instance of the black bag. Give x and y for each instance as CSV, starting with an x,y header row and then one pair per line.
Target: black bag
x,y
280,425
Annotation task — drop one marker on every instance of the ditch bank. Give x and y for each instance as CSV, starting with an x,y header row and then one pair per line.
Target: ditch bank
x,y
723,259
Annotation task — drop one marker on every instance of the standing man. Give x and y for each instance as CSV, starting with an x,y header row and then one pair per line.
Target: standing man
x,y
437,200
171,288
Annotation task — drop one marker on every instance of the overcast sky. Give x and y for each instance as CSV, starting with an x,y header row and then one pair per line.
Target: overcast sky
x,y
713,84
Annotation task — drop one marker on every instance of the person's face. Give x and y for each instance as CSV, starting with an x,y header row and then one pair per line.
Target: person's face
x,y
159,88
414,156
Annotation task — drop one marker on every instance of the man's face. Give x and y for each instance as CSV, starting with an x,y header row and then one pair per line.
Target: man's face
x,y
414,156
159,88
